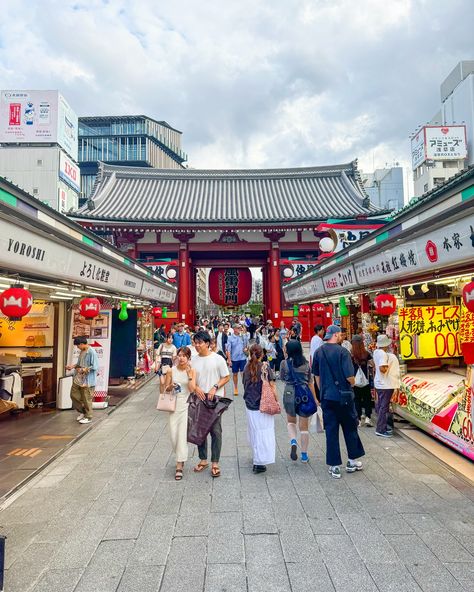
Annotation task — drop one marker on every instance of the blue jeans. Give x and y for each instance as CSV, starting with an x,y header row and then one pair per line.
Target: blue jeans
x,y
335,416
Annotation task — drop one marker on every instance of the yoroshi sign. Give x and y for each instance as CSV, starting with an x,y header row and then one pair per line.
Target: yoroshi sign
x,y
429,332
311,289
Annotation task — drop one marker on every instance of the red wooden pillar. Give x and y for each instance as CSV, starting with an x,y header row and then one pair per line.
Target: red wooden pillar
x,y
193,293
265,291
185,280
275,285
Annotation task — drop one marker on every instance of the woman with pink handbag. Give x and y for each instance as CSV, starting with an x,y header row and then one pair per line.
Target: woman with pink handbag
x,y
181,379
261,402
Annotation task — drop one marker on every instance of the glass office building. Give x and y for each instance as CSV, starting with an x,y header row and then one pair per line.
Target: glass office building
x,y
128,140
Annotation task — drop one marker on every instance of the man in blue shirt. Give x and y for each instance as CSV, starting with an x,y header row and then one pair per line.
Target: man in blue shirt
x,y
83,383
181,338
237,350
334,372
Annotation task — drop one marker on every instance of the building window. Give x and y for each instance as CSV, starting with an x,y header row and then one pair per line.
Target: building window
x,y
425,187
39,162
35,190
437,181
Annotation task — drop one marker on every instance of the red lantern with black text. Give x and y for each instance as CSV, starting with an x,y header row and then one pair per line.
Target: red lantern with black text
x,y
385,304
89,307
16,302
468,295
230,286
157,311
318,308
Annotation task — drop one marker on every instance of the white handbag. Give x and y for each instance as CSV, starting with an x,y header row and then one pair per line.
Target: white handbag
x,y
360,379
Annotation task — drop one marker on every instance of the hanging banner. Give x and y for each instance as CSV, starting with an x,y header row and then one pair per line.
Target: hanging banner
x,y
429,332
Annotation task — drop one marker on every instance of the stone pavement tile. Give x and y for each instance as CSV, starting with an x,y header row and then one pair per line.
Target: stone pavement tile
x,y
258,515
411,549
392,577
317,506
327,525
185,568
393,524
225,496
309,576
299,544
59,528
193,525
19,537
338,545
268,577
374,547
28,567
140,579
154,541
58,580
446,547
436,577
225,542
422,523
360,523
354,577
167,499
128,520
464,573
225,577
263,549
77,550
105,570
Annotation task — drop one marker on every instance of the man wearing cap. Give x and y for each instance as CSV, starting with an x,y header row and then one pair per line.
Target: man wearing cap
x,y
386,383
332,366
181,338
237,349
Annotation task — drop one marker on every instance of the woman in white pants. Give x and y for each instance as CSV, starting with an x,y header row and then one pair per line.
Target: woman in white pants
x,y
261,426
183,378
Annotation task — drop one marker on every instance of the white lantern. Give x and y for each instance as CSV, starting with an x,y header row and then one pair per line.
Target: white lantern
x,y
288,272
326,244
171,273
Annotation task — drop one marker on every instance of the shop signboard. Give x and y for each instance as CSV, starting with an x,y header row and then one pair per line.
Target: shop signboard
x,y
429,332
69,172
438,142
418,155
387,265
31,116
345,235
340,279
153,292
305,291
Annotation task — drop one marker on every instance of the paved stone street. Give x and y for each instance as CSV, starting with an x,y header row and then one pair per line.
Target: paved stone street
x,y
108,516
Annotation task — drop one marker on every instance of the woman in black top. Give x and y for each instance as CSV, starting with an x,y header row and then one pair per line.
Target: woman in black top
x,y
362,360
261,426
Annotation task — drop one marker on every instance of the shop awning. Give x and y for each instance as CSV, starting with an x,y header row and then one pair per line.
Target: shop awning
x,y
429,239
37,241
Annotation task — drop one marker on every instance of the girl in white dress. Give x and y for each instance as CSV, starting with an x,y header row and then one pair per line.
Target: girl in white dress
x,y
183,377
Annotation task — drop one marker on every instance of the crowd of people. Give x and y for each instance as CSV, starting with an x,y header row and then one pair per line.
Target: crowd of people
x,y
340,376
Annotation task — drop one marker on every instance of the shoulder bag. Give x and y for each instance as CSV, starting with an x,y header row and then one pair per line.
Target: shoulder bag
x,y
347,396
268,401
167,400
305,405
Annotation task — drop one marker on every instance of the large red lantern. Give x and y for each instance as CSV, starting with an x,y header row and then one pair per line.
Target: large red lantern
x,y
304,309
230,286
156,312
16,302
468,295
318,308
89,307
385,304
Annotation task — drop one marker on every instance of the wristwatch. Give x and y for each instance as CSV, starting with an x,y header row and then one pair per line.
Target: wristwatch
x,y
216,386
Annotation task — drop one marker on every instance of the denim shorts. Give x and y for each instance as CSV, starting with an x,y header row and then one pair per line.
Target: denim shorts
x,y
238,366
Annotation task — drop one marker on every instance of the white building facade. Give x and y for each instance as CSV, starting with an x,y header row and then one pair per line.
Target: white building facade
x,y
385,187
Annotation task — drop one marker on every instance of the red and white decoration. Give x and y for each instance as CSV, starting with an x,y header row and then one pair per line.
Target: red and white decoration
x,y
16,302
89,307
230,286
156,312
385,304
468,296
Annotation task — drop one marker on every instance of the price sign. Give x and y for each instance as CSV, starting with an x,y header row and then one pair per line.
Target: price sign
x,y
429,332
466,327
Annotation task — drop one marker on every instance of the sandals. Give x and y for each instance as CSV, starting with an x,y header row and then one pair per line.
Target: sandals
x,y
200,467
178,475
215,472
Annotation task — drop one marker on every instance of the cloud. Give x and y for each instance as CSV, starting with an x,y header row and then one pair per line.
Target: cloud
x,y
250,84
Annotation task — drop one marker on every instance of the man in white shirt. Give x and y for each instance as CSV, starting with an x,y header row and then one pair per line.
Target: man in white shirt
x,y
386,383
316,341
212,374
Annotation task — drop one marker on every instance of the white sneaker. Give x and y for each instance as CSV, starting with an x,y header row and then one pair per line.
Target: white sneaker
x,y
368,422
353,465
80,416
85,420
335,472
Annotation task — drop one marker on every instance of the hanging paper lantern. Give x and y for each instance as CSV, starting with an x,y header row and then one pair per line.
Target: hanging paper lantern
x,y
123,314
296,310
326,244
385,304
468,295
318,308
165,312
468,352
343,310
89,307
157,311
16,302
304,309
230,286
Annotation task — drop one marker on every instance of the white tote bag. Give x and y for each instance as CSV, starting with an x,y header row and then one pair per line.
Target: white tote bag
x,y
360,379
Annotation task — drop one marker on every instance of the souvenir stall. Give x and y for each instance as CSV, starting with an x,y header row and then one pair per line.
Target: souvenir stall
x,y
413,282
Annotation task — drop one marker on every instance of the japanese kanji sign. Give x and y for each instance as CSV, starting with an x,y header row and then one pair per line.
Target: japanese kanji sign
x,y
435,142
429,332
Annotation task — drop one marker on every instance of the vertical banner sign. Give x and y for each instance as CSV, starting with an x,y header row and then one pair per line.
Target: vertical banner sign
x,y
98,332
429,332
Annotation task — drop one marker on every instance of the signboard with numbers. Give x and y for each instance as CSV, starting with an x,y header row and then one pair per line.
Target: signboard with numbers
x,y
429,332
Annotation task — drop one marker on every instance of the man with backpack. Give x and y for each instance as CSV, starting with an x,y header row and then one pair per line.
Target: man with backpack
x,y
334,372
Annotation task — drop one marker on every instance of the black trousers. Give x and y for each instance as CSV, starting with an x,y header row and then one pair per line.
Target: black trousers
x,y
337,416
216,442
363,400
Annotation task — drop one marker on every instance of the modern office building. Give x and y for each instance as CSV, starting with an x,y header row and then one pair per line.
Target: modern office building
x,y
385,187
132,140
38,146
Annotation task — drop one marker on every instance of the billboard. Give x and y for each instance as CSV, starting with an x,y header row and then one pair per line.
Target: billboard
x,y
34,116
439,142
69,172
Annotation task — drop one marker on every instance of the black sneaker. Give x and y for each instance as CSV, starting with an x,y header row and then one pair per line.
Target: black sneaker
x,y
259,468
385,434
293,453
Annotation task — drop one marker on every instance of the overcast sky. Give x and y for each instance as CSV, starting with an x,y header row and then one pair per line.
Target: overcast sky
x,y
250,83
